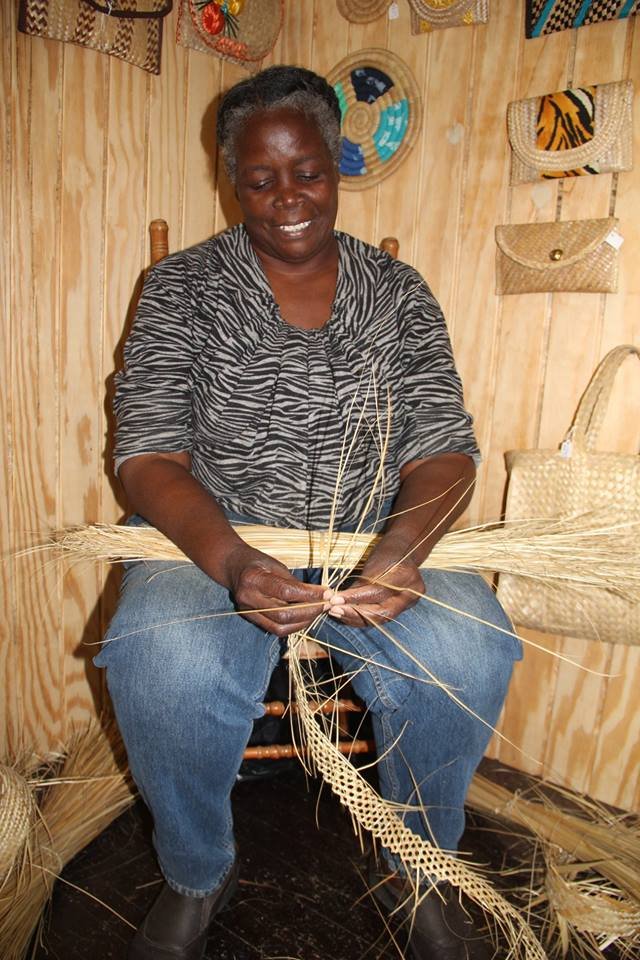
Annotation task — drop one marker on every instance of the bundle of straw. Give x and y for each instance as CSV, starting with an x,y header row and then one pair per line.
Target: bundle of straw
x,y
578,550
71,801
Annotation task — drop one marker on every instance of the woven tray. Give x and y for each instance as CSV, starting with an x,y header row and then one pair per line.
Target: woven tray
x,y
381,115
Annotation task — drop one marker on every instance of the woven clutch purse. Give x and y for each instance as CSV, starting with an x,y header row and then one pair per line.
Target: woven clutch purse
x,y
569,255
575,480
428,15
587,130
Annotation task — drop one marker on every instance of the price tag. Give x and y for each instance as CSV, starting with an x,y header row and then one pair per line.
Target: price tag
x,y
614,239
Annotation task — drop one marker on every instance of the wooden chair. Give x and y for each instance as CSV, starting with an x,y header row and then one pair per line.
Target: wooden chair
x,y
341,708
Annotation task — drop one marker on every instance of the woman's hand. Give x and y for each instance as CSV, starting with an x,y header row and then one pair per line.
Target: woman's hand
x,y
259,583
382,591
433,492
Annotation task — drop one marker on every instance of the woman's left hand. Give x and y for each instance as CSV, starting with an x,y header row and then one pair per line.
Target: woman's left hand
x,y
380,593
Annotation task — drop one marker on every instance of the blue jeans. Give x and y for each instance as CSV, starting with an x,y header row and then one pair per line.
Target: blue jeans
x,y
186,688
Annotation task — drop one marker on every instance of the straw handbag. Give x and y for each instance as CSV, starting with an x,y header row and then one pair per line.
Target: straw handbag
x,y
428,15
587,130
128,29
569,255
577,480
551,16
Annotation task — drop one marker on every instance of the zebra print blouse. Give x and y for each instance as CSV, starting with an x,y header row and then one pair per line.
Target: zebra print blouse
x,y
276,417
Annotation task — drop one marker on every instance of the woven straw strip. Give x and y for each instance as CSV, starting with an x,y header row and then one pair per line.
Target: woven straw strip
x,y
370,811
612,109
17,814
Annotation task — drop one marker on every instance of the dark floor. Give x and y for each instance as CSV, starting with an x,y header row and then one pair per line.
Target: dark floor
x,y
301,895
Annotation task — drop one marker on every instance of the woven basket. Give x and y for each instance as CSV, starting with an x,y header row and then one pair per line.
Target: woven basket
x,y
428,15
609,150
577,479
362,11
569,255
17,814
257,29
381,115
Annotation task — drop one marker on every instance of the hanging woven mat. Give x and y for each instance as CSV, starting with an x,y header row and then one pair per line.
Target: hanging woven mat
x,y
381,115
243,31
362,11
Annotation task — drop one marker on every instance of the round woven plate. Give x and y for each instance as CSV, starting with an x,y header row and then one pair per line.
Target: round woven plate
x,y
362,11
381,115
247,39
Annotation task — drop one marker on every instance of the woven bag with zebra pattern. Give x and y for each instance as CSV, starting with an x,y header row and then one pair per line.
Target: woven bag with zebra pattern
x,y
586,130
128,29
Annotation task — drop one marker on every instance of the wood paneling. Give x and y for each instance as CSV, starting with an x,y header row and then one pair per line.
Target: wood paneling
x,y
94,148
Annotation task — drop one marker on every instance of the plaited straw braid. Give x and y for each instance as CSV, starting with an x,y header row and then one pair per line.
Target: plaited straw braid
x,y
421,859
443,13
16,817
612,109
583,906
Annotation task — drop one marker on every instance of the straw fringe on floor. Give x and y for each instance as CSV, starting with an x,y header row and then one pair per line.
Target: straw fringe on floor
x,y
590,883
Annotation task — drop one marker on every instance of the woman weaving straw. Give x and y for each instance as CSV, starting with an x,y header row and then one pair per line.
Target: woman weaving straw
x,y
255,386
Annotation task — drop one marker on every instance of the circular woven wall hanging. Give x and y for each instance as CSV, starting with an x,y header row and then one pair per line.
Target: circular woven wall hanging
x,y
362,11
243,31
381,115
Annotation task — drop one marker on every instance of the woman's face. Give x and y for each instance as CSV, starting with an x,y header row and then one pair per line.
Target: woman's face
x,y
287,187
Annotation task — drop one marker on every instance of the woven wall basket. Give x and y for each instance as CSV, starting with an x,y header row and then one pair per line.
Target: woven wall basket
x,y
428,15
245,38
362,11
381,115
574,480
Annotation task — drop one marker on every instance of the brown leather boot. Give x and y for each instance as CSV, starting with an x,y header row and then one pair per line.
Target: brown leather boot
x,y
177,926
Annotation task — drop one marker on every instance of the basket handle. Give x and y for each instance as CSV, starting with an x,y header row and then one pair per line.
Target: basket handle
x,y
595,399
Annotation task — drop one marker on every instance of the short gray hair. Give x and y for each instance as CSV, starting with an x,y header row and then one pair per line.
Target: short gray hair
x,y
273,89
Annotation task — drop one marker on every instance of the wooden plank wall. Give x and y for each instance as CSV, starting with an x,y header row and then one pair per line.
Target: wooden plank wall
x,y
94,148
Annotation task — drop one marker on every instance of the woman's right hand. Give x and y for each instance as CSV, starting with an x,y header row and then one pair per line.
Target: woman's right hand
x,y
267,594
161,487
